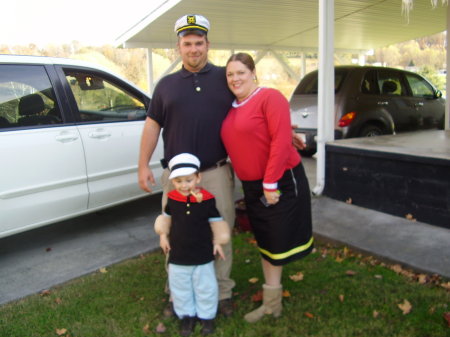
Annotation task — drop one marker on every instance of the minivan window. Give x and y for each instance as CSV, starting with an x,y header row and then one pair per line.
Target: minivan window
x,y
101,100
27,97
310,83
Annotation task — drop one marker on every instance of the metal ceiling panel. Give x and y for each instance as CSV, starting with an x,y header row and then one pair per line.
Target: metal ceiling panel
x,y
289,24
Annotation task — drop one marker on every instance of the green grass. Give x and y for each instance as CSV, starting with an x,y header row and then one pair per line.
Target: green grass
x,y
128,300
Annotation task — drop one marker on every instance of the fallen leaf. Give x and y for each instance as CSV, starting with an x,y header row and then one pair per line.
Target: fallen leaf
x,y
297,277
257,297
45,292
341,298
346,251
58,300
349,201
309,315
405,307
61,332
146,329
446,285
350,273
251,241
253,280
397,268
103,270
339,259
375,314
378,276
160,328
48,249
410,217
422,278
447,318
286,293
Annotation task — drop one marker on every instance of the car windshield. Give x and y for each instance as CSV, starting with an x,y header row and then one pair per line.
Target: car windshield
x,y
310,83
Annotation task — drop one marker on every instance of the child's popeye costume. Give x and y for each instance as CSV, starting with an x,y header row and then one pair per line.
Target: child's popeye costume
x,y
194,224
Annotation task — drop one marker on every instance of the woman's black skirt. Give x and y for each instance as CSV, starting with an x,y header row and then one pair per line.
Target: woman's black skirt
x,y
283,231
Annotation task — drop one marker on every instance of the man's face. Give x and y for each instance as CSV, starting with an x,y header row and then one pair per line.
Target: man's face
x,y
194,51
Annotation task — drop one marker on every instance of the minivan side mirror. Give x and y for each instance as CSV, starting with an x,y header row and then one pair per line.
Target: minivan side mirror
x,y
438,93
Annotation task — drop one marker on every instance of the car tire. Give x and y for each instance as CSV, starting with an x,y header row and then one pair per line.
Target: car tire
x,y
371,131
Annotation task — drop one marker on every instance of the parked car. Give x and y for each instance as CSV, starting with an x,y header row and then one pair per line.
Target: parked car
x,y
369,101
69,140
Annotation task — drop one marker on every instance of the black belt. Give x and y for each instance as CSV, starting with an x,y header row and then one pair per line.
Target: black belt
x,y
216,165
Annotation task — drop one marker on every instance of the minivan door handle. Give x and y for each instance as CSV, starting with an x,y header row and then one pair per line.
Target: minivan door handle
x,y
66,137
99,134
383,103
418,104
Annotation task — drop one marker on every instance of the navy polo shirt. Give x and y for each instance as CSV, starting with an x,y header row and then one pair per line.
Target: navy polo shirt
x,y
190,107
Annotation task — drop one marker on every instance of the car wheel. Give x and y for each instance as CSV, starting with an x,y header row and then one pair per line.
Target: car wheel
x,y
371,131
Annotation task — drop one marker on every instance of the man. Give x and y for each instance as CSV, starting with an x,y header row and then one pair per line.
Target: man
x,y
189,106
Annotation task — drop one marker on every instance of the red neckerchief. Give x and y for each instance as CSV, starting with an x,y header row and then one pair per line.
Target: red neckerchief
x,y
177,196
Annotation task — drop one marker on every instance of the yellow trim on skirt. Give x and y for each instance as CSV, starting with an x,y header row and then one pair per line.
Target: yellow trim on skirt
x,y
293,251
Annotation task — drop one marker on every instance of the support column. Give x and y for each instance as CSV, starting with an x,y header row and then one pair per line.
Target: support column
x,y
447,85
303,65
325,130
150,70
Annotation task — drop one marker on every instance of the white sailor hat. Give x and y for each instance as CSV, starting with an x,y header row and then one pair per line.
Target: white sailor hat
x,y
183,164
191,23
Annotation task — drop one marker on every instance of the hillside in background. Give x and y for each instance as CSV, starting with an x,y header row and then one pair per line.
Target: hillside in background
x,y
426,56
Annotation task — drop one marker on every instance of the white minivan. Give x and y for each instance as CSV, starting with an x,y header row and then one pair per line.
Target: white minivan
x,y
69,140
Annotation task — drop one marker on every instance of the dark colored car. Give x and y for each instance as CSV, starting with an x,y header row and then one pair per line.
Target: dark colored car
x,y
369,101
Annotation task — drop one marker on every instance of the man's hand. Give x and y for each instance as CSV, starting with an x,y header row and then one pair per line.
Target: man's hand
x,y
218,250
145,175
298,142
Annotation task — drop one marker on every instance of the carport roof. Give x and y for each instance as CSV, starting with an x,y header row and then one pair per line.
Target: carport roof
x,y
289,24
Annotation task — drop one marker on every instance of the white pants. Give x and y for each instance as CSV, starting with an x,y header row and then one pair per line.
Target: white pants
x,y
194,290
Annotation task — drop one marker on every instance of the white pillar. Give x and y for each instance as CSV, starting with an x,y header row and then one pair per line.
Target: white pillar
x,y
362,59
150,70
303,65
447,85
325,130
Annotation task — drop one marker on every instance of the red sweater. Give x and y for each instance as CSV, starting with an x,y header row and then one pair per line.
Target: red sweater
x,y
257,135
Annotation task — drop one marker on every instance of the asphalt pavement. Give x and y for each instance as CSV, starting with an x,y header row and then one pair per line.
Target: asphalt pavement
x,y
39,259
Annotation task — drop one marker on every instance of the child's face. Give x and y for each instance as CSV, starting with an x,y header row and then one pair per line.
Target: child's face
x,y
185,184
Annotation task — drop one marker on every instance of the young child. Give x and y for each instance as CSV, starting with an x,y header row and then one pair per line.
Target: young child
x,y
196,234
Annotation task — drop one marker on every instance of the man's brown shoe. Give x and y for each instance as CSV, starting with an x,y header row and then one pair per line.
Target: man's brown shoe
x,y
226,307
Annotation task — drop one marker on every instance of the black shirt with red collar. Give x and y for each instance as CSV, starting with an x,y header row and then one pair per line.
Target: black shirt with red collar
x,y
190,234
190,107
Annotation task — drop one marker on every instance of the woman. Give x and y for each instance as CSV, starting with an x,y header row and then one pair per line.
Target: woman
x,y
258,138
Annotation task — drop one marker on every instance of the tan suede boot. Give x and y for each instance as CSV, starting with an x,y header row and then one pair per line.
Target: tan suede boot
x,y
272,297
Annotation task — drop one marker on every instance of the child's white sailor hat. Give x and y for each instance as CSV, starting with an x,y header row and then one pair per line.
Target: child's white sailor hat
x,y
183,164
192,23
